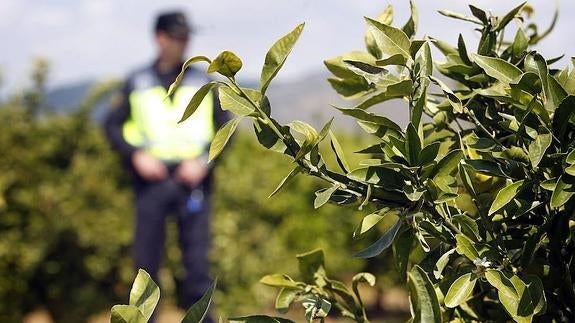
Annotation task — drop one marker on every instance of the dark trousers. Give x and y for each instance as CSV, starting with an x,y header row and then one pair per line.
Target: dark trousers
x,y
154,202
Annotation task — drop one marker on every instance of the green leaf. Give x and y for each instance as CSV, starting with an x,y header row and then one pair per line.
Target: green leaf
x,y
287,179
363,278
425,62
548,185
423,299
311,137
447,164
370,220
412,145
528,82
486,167
410,28
390,40
468,225
339,153
460,290
509,16
227,64
222,137
396,59
513,153
507,293
268,138
459,16
285,298
466,173
197,100
180,76
325,129
466,247
127,314
536,38
337,66
369,72
259,319
322,196
428,154
562,115
498,280
366,278
487,43
441,264
382,176
370,117
537,292
538,147
520,43
569,84
454,101
315,307
416,46
341,290
497,68
417,110
401,250
279,280
386,17
562,193
444,47
144,294
382,243
351,87
525,306
505,195
554,93
277,55
479,14
569,170
570,158
311,265
232,101
199,310
393,91
557,92
463,51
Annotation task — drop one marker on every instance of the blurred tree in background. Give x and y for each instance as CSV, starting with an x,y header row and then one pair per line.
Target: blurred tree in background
x,y
66,217
62,205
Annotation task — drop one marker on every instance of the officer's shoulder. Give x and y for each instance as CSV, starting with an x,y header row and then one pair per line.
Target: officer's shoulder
x,y
138,72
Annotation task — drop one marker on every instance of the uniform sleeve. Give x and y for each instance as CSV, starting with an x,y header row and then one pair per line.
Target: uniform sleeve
x,y
118,113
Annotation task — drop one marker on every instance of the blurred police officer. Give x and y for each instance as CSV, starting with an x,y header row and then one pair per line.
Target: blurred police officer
x,y
168,160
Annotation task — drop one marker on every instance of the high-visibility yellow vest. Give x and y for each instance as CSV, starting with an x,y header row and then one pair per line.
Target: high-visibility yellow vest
x,y
153,125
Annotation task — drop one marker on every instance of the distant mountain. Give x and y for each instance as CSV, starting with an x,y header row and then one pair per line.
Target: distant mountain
x,y
308,99
67,98
311,99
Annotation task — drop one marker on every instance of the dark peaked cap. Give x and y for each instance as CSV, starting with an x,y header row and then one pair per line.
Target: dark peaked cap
x,y
174,23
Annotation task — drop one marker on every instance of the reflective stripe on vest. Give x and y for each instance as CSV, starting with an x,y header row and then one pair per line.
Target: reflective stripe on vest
x,y
154,127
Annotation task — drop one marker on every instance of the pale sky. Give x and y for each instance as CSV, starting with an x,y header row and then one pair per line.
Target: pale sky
x,y
87,39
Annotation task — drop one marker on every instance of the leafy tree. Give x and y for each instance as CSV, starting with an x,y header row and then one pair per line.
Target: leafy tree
x,y
59,197
480,180
66,216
